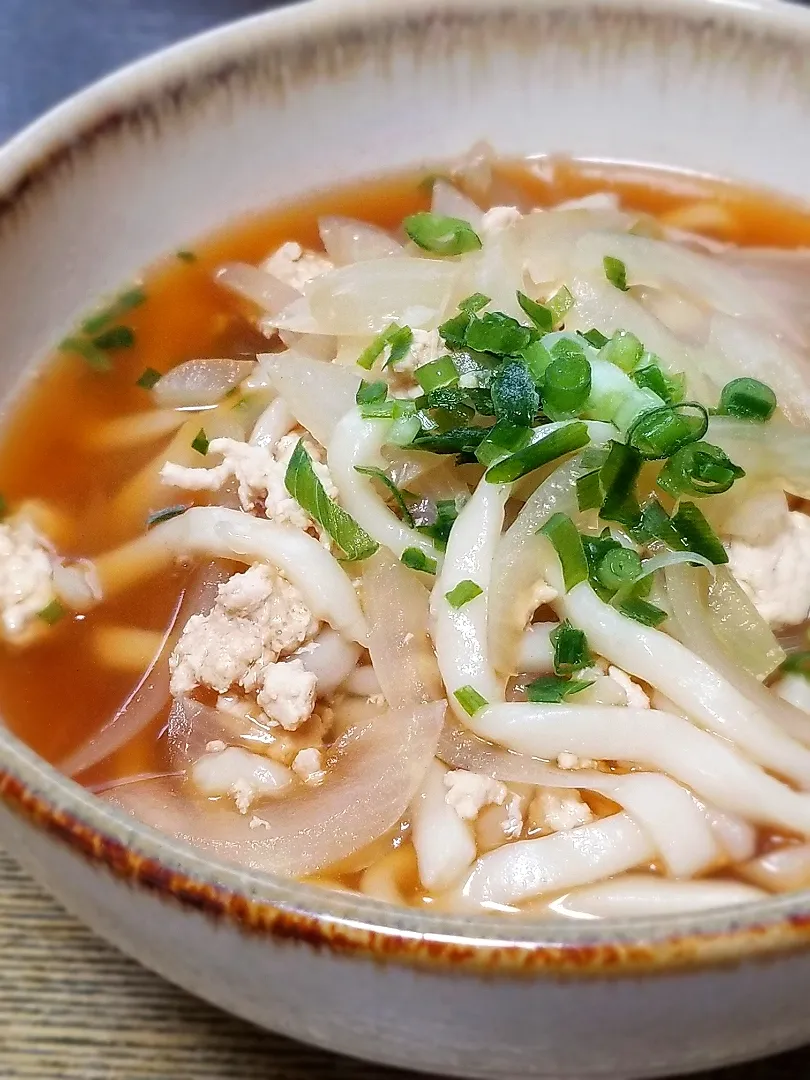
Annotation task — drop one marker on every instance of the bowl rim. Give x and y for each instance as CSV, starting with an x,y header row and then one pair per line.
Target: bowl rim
x,y
283,909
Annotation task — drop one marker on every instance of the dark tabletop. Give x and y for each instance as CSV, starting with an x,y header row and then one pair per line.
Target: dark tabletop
x,y
53,973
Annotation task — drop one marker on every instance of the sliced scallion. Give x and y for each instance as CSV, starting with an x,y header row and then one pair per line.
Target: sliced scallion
x,y
370,392
441,372
514,397
624,350
699,469
566,383
200,442
619,568
470,700
388,483
650,376
539,314
615,272
462,440
697,535
117,337
497,333
439,532
128,300
503,438
463,593
149,378
618,478
659,433
554,689
596,338
560,304
747,399
415,559
474,303
562,440
537,358
397,339
567,542
571,650
589,491
166,514
642,611
95,357
441,235
52,613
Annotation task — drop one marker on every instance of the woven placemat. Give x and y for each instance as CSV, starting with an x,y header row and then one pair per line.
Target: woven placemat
x,y
73,1008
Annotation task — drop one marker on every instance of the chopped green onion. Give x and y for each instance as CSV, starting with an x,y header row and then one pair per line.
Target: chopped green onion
x,y
540,315
200,442
566,384
554,689
94,356
619,567
670,388
441,372
624,350
474,303
441,235
128,300
567,542
747,399
560,304
797,663
514,397
166,514
698,469
455,441
52,613
697,535
497,333
370,392
571,650
3,506
396,338
303,484
642,611
439,531
186,256
387,482
502,439
589,491
404,430
378,410
596,338
659,433
117,337
454,331
618,478
615,272
415,559
452,401
537,359
557,443
470,700
463,593
149,378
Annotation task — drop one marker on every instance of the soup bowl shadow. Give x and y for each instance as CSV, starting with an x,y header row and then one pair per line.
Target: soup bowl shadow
x,y
262,111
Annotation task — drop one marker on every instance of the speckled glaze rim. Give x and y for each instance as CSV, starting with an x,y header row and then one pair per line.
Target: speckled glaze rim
x,y
281,909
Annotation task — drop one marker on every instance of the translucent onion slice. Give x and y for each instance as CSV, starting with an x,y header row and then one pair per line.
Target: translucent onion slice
x,y
374,771
450,202
152,692
274,423
635,895
262,288
217,532
317,393
776,451
736,622
396,607
358,442
349,241
200,382
785,870
135,429
330,657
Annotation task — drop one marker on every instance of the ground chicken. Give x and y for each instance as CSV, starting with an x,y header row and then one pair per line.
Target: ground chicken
x,y
776,575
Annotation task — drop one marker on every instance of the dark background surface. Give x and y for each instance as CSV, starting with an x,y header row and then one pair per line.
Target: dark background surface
x,y
49,49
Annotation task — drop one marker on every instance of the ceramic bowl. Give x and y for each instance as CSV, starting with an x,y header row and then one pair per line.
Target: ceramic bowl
x,y
262,111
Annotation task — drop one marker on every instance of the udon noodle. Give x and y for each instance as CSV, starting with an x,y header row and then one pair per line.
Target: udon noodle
x,y
456,554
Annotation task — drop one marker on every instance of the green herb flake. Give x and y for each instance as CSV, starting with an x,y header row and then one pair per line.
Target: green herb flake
x,y
589,491
539,314
394,491
554,689
514,396
642,611
166,514
567,542
571,650
200,442
128,300
98,360
441,235
497,333
149,378
463,593
470,700
615,272
52,613
474,303
186,256
117,337
560,304
397,339
415,559
555,444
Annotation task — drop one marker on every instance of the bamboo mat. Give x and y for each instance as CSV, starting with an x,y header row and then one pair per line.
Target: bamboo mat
x,y
73,1008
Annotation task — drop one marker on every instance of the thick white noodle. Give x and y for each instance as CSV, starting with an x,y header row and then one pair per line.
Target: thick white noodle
x,y
460,634
272,425
216,532
358,442
444,844
330,657
644,894
536,653
713,768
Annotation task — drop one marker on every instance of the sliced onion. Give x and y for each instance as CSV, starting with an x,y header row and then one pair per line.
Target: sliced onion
x,y
272,425
450,202
373,773
349,241
396,607
200,382
785,870
634,895
262,288
313,346
152,692
318,394
774,451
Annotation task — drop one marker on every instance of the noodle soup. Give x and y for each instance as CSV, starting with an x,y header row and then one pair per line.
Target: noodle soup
x,y
441,539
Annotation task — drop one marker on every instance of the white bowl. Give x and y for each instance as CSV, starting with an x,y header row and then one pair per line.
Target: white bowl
x,y
262,111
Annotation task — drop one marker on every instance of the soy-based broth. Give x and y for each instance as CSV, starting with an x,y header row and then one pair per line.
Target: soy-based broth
x,y
57,460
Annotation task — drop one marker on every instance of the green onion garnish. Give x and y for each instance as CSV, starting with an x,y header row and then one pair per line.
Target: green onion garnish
x,y
539,314
514,397
474,303
369,392
797,663
396,338
618,569
699,469
615,272
567,542
470,700
117,337
537,359
642,611
502,439
149,378
669,388
697,535
566,383
596,338
52,613
462,594
571,650
452,402
441,235
624,350
554,689
186,256
747,399
661,432
415,559
560,304
303,484
557,443
166,514
3,506
388,483
200,442
439,531
441,372
497,333
128,300
94,356
589,491
455,441
618,478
